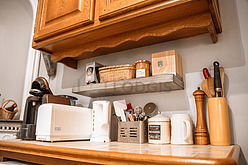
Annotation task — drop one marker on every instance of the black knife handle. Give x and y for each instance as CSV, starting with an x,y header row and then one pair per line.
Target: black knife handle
x,y
217,80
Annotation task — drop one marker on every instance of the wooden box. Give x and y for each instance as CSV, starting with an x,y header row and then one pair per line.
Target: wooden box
x,y
166,62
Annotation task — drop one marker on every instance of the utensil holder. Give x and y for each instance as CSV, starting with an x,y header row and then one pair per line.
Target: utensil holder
x,y
218,121
132,132
5,114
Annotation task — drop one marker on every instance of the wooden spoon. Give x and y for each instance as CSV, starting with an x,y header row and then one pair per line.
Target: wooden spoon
x,y
222,76
205,88
211,89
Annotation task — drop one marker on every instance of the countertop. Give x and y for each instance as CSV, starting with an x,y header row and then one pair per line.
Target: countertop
x,y
113,152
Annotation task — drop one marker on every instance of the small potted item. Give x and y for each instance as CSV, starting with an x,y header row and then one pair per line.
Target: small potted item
x,y
142,68
92,72
159,129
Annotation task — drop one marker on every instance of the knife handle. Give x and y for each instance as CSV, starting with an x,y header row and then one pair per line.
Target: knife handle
x,y
206,73
217,81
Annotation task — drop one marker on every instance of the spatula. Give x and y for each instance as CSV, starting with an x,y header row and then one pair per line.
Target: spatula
x,y
120,106
222,77
204,86
210,82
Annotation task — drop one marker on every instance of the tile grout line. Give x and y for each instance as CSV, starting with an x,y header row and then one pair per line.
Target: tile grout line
x,y
202,151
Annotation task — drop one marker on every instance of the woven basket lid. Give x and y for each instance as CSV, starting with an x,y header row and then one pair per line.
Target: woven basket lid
x,y
129,66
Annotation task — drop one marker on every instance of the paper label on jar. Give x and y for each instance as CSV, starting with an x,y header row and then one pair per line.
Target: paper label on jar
x,y
154,132
140,73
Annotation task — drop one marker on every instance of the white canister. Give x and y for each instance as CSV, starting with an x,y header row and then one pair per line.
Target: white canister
x,y
159,129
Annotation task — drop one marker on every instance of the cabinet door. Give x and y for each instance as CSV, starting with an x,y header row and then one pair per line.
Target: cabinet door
x,y
112,8
58,16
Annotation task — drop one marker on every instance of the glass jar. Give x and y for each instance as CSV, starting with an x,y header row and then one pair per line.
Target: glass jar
x,y
142,68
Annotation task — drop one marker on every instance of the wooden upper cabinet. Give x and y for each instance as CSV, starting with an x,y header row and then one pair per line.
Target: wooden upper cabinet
x,y
112,8
58,16
72,30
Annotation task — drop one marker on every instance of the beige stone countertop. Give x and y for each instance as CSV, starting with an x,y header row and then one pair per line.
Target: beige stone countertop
x,y
191,152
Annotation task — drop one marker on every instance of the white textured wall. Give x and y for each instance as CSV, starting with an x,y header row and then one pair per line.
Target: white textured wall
x,y
15,32
196,52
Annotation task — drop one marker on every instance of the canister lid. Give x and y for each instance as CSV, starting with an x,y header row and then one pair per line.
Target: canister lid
x,y
159,117
142,61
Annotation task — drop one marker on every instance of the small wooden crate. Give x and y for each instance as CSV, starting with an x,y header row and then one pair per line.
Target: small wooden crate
x,y
117,73
166,62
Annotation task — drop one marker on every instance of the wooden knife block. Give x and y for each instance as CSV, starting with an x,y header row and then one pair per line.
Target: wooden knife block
x,y
218,121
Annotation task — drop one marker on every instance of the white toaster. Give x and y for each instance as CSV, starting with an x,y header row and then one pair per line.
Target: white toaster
x,y
57,122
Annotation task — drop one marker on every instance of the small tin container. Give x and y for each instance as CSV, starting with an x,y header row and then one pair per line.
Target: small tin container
x,y
159,129
142,68
132,132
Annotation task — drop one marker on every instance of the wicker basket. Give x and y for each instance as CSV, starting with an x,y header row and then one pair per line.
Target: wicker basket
x,y
117,73
5,114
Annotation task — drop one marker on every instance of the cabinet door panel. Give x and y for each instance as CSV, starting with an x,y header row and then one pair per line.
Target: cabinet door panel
x,y
112,8
57,8
58,16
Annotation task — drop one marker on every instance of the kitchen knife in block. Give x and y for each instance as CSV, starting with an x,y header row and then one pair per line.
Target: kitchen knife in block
x,y
205,73
217,82
204,86
210,81
201,135
222,77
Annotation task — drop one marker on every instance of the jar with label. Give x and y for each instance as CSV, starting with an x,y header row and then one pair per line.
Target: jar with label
x,y
142,68
159,129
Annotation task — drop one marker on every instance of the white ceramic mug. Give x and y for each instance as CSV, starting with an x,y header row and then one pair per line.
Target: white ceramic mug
x,y
181,129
